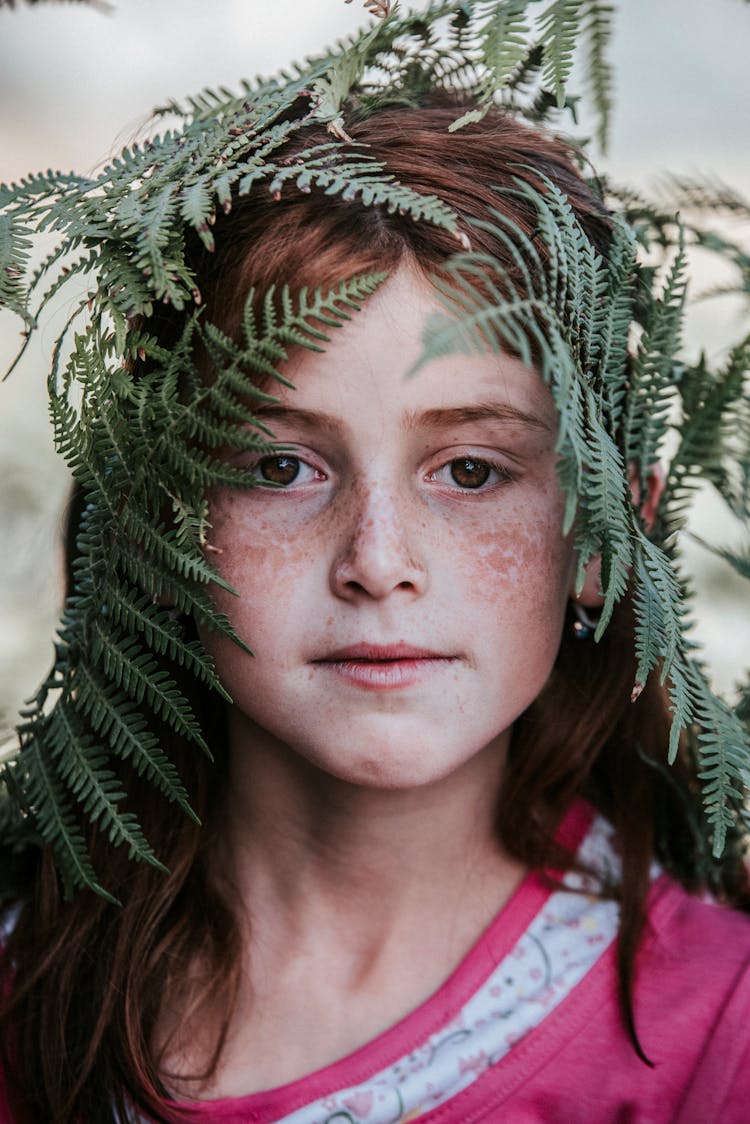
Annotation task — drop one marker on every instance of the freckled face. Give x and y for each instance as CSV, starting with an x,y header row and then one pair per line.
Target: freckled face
x,y
403,587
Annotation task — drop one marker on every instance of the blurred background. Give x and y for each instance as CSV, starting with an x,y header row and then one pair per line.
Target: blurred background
x,y
77,81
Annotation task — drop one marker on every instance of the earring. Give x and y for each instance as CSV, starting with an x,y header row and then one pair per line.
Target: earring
x,y
584,626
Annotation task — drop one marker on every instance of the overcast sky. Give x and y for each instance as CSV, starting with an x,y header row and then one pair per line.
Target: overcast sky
x,y
72,79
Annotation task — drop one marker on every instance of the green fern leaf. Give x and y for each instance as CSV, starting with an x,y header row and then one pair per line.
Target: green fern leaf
x,y
138,674
118,720
598,32
559,24
44,795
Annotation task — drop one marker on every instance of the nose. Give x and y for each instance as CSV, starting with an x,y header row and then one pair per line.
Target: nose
x,y
375,555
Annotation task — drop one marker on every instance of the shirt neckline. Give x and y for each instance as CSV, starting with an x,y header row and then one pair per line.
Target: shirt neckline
x,y
493,944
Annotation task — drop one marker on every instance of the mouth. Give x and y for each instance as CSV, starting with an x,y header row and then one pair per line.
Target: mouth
x,y
384,667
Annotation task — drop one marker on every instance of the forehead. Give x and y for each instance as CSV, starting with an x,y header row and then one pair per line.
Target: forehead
x,y
368,363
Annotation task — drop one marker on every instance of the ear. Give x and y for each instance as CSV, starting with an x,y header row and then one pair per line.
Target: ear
x,y
648,506
590,595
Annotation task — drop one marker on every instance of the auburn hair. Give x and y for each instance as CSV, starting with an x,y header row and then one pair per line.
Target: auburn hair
x,y
85,980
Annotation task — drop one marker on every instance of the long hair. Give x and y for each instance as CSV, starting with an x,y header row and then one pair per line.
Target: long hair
x,y
86,981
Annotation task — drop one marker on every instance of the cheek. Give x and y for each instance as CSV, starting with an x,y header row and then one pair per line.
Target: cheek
x,y
522,556
504,561
268,572
253,556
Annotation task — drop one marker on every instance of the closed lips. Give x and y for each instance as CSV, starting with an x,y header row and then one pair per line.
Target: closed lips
x,y
375,653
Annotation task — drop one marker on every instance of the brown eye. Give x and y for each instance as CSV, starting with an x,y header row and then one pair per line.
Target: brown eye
x,y
469,473
279,470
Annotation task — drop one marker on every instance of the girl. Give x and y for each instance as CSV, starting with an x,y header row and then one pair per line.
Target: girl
x,y
429,881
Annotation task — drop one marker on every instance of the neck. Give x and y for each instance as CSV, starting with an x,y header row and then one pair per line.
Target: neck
x,y
356,904
310,851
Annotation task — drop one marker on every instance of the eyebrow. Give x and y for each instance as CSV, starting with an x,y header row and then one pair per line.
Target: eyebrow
x,y
293,415
479,412
436,418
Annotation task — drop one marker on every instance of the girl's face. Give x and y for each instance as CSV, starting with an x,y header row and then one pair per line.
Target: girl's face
x,y
403,586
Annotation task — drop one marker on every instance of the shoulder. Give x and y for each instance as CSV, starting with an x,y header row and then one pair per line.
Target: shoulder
x,y
695,930
692,1000
683,931
691,1003
692,969
693,966
695,951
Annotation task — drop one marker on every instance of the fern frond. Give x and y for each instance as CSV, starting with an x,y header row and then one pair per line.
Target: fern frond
x,y
659,621
605,517
137,614
502,39
186,597
197,210
738,558
42,793
15,246
117,719
141,678
598,19
724,763
715,414
652,374
712,196
559,24
81,765
616,306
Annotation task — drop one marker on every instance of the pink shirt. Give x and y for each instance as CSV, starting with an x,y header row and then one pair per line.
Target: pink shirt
x,y
566,1057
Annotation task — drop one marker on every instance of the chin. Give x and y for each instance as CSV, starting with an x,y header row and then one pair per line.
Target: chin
x,y
393,768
